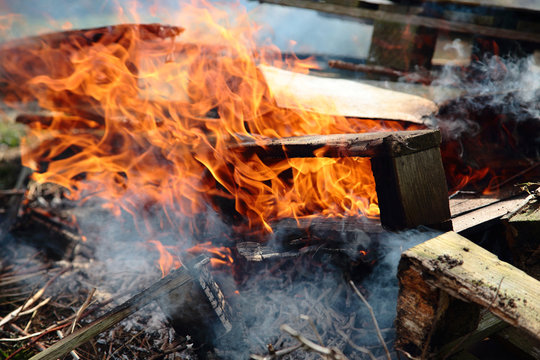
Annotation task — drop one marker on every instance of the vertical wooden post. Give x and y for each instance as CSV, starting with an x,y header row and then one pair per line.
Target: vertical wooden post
x,y
410,182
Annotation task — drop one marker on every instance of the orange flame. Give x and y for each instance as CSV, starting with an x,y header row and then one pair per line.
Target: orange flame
x,y
146,123
220,255
166,260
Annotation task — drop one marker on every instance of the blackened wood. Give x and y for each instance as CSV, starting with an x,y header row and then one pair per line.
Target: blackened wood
x,y
179,278
412,190
375,144
448,269
322,226
198,309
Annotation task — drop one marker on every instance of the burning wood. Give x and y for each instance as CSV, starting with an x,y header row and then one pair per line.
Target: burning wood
x,y
207,145
371,144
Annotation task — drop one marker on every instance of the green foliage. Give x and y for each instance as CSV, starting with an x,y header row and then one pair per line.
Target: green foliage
x,y
10,134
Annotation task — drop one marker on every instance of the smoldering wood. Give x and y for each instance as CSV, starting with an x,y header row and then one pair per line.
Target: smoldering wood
x,y
401,46
444,283
177,279
344,237
63,240
199,308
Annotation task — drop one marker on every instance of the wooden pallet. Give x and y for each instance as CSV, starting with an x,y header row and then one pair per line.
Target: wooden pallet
x,y
445,283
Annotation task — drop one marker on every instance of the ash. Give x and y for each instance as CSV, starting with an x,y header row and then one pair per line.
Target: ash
x,y
313,296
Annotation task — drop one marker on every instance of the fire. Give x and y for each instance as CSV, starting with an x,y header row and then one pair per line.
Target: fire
x,y
144,118
220,255
166,260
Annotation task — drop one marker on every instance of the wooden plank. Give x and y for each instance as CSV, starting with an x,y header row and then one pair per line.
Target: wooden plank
x,y
450,266
374,144
409,19
176,279
412,190
475,219
522,234
344,97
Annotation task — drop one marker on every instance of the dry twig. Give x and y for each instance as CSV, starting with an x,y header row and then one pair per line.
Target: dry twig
x,y
361,349
331,353
21,309
81,310
277,354
379,334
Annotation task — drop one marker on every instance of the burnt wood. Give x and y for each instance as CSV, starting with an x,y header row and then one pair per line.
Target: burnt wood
x,y
444,283
198,309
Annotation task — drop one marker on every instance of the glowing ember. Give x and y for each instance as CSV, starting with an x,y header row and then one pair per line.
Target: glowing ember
x,y
145,122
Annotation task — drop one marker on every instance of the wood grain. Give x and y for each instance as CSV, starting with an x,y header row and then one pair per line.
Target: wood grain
x,y
341,145
344,97
452,266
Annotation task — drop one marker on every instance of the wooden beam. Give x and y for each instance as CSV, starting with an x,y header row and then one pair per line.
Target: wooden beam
x,y
175,280
443,279
409,19
374,144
